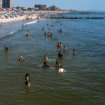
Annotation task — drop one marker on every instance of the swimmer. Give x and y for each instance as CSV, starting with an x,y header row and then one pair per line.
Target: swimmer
x,y
49,28
47,24
42,28
74,51
48,34
30,36
27,80
45,33
51,35
20,58
61,70
6,48
45,65
58,45
55,38
65,49
60,55
27,33
61,45
57,63
22,25
66,34
46,58
60,30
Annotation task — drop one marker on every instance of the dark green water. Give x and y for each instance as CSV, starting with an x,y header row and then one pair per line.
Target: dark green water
x,y
84,82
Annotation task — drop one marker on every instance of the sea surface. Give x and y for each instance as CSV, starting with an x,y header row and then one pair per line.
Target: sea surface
x,y
84,82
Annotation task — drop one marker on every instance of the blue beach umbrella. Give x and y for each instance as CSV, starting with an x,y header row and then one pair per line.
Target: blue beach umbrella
x,y
4,12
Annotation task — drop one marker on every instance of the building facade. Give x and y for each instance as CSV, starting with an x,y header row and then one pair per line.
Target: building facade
x,y
41,7
6,3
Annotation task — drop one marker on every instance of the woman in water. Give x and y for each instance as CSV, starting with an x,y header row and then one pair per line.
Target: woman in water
x,y
45,58
61,70
57,63
27,80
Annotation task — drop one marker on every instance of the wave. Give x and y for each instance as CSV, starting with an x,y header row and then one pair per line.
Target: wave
x,y
31,22
12,32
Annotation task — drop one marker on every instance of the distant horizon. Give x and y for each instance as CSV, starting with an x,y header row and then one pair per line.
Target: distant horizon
x,y
79,5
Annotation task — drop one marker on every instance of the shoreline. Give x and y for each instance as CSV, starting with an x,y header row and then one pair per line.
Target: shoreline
x,y
16,19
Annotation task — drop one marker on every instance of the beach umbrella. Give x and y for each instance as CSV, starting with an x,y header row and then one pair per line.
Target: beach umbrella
x,y
4,12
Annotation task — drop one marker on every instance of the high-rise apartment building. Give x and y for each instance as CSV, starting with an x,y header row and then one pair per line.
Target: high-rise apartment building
x,y
6,3
41,7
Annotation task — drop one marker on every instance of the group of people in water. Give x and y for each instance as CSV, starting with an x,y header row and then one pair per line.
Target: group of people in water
x,y
57,64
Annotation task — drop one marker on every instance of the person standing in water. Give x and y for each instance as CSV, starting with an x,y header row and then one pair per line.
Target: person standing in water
x,y
49,28
45,58
45,33
57,63
27,80
65,49
61,45
58,45
27,33
74,52
6,48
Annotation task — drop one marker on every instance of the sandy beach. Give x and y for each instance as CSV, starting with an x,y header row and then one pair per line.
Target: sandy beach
x,y
19,18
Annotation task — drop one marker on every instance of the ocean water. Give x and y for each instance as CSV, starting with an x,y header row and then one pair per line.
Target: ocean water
x,y
84,82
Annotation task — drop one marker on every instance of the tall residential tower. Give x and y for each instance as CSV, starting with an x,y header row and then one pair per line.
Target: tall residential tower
x,y
6,3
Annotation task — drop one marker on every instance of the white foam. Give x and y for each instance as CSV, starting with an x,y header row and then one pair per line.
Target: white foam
x,y
12,32
31,22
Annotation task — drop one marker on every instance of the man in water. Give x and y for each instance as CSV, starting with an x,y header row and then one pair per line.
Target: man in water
x,y
6,48
27,80
45,33
61,70
27,33
74,52
65,49
60,55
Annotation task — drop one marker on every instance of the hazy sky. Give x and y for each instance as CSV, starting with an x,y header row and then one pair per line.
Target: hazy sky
x,y
64,4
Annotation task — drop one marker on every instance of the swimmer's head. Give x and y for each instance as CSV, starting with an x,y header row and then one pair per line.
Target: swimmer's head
x,y
60,67
73,49
27,75
44,62
5,43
